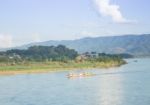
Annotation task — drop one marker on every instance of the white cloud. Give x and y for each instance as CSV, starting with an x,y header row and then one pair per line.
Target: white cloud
x,y
5,41
112,10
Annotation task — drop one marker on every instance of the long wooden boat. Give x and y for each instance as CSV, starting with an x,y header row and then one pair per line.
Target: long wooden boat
x,y
75,75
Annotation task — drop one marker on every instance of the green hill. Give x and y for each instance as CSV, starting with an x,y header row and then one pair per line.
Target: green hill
x,y
138,45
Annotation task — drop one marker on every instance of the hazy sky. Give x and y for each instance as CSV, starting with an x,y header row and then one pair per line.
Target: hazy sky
x,y
25,21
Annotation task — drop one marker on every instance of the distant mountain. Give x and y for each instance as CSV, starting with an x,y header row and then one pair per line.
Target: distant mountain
x,y
138,45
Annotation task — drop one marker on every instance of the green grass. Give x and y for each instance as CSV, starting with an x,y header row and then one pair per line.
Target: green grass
x,y
55,66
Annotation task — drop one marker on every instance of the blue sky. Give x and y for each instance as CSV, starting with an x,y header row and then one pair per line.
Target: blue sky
x,y
25,21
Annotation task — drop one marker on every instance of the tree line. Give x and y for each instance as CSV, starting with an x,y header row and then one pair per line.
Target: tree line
x,y
40,53
55,53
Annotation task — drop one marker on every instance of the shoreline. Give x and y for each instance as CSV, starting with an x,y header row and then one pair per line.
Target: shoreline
x,y
55,67
16,72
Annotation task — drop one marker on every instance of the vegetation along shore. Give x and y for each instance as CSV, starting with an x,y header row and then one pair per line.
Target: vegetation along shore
x,y
38,59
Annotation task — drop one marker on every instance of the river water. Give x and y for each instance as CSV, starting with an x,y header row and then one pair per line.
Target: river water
x,y
125,85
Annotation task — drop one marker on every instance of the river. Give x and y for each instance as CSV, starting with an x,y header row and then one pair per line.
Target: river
x,y
125,85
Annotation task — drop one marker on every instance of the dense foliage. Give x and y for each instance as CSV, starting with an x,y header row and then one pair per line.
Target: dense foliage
x,y
123,55
39,53
55,58
61,57
103,57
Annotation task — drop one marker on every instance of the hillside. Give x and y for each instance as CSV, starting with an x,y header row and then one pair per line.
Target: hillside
x,y
138,45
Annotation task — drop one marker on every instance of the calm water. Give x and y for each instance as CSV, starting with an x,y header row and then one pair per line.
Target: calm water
x,y
126,85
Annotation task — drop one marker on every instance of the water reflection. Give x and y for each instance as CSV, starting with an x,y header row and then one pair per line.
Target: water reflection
x,y
111,90
126,85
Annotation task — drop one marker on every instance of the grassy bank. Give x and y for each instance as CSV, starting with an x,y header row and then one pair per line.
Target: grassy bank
x,y
39,67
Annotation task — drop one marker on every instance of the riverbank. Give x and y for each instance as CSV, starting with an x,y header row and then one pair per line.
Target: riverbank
x,y
43,67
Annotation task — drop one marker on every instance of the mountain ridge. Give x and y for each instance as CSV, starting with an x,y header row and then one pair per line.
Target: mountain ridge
x,y
138,45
